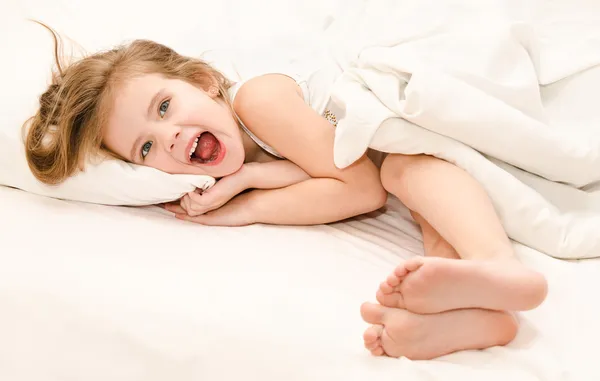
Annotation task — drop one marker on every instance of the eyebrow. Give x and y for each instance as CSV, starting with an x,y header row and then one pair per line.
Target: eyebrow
x,y
134,149
152,105
151,108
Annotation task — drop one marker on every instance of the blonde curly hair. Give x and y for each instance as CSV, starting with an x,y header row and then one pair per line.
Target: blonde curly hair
x,y
67,128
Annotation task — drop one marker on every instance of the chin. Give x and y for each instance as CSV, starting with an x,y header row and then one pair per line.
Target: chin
x,y
232,162
231,168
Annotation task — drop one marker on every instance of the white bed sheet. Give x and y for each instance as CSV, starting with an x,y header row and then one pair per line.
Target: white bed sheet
x,y
108,293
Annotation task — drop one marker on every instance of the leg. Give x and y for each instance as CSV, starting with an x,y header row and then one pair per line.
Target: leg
x,y
440,192
433,243
451,201
397,332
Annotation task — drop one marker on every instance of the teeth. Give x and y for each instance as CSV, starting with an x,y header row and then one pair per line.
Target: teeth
x,y
194,146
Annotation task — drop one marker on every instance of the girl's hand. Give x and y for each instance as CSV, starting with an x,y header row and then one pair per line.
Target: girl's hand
x,y
200,202
270,175
234,213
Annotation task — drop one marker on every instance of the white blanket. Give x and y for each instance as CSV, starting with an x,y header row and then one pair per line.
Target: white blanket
x,y
510,102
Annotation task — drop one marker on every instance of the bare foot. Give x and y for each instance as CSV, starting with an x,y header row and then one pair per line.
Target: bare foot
x,y
396,332
430,285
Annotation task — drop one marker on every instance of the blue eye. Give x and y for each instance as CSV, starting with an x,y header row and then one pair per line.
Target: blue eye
x,y
146,149
162,109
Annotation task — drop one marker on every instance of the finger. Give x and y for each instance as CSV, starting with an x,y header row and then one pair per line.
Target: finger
x,y
174,208
206,219
165,205
197,219
200,205
191,208
196,198
185,203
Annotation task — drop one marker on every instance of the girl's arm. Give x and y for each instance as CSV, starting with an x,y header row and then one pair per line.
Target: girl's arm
x,y
270,175
272,107
273,174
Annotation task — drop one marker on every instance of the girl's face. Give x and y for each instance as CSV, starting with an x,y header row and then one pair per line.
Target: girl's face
x,y
175,127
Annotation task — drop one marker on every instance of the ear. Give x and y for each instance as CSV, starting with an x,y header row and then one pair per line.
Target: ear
x,y
213,91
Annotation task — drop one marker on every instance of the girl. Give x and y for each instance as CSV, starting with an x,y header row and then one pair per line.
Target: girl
x,y
146,104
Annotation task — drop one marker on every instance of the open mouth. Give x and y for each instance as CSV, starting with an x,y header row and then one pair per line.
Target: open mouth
x,y
206,149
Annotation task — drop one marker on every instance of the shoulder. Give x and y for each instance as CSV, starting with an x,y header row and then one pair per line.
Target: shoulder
x,y
265,88
273,108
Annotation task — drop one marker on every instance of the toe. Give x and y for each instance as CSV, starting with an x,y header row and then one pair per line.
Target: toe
x,y
393,280
401,271
386,288
372,313
372,334
393,300
372,345
413,263
377,351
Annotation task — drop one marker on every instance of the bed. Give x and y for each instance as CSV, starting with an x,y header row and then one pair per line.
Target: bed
x,y
93,292
96,293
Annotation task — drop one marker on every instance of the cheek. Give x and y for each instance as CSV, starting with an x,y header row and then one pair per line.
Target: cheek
x,y
163,163
209,114
228,120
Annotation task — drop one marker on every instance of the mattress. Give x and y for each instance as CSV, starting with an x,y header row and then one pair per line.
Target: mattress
x,y
117,293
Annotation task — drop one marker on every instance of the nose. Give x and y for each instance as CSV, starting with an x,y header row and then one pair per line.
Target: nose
x,y
173,140
170,137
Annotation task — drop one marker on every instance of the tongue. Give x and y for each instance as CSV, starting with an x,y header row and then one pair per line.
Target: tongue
x,y
207,145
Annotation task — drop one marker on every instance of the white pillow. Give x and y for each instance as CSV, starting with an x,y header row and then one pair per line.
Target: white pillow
x,y
113,182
